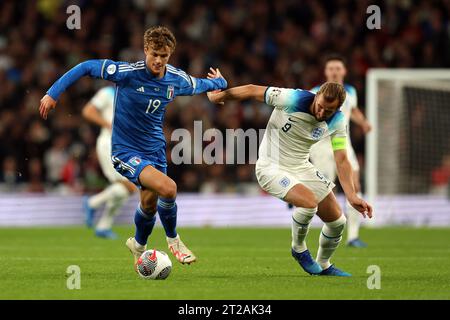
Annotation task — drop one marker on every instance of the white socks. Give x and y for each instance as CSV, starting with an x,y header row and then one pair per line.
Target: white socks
x,y
301,219
354,219
330,237
114,196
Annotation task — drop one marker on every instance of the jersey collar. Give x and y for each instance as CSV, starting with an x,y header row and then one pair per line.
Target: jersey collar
x,y
151,75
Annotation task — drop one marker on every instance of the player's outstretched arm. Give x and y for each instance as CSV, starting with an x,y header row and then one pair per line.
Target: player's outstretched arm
x,y
214,81
249,91
358,117
345,172
92,68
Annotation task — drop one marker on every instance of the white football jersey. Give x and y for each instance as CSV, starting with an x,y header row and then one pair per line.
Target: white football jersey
x,y
103,101
321,153
292,129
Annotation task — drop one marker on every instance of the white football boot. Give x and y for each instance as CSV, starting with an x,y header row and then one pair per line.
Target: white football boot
x,y
180,251
136,250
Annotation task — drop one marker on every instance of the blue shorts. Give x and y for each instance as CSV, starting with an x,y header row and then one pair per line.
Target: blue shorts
x,y
131,163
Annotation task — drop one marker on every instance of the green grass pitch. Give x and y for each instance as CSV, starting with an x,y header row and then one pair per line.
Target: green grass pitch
x,y
233,263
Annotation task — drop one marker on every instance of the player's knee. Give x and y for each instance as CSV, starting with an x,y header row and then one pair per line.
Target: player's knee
x,y
169,190
149,207
309,202
130,186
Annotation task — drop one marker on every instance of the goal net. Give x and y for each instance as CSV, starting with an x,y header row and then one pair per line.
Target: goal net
x,y
408,152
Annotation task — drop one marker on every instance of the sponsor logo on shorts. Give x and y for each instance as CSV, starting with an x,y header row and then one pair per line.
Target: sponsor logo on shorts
x,y
285,182
135,161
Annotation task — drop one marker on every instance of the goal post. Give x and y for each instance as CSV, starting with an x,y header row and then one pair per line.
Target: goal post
x,y
409,110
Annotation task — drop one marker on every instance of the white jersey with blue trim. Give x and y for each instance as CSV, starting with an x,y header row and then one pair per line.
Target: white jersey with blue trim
x,y
292,129
350,102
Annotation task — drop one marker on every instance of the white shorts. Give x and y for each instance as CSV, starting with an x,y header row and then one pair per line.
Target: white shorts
x,y
278,181
322,157
104,158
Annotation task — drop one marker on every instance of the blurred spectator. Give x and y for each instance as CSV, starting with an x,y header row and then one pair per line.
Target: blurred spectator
x,y
56,158
36,183
281,43
440,177
10,178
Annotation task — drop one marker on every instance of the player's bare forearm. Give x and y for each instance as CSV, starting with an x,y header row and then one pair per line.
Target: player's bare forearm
x,y
246,92
91,114
345,174
358,117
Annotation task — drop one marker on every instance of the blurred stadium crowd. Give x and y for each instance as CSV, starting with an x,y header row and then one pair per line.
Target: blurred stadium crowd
x,y
280,43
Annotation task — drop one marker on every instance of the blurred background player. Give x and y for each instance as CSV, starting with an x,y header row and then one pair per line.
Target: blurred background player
x,y
99,111
143,90
301,118
322,153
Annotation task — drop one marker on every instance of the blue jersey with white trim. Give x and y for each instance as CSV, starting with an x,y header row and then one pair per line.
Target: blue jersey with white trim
x,y
140,99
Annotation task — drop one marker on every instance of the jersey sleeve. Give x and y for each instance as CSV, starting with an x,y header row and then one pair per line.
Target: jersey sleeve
x,y
189,85
353,97
315,89
115,71
285,99
102,99
186,84
103,69
338,128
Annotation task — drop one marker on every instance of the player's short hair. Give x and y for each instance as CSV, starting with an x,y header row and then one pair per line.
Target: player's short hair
x,y
334,57
332,91
158,37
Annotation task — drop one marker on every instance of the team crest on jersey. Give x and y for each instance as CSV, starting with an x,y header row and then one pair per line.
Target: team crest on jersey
x,y
285,182
170,92
135,161
317,133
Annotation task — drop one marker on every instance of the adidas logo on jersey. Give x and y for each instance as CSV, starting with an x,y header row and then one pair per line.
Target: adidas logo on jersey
x,y
141,89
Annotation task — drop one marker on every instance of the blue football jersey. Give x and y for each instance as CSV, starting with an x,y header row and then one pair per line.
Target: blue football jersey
x,y
140,99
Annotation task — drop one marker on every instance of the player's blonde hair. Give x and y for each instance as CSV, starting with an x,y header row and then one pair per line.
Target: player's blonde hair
x,y
332,91
159,37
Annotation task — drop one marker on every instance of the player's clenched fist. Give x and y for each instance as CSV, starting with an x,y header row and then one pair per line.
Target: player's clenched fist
x,y
47,103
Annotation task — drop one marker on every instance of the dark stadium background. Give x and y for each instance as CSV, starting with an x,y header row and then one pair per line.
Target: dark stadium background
x,y
281,43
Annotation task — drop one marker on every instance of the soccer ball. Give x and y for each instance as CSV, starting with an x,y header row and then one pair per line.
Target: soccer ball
x,y
154,265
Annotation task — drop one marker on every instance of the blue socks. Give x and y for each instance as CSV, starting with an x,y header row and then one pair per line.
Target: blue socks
x,y
167,209
144,225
